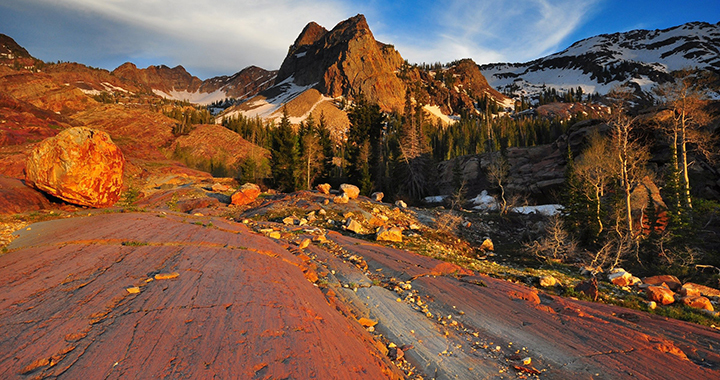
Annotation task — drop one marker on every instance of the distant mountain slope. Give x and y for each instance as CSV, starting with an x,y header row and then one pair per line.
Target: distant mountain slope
x,y
176,83
641,57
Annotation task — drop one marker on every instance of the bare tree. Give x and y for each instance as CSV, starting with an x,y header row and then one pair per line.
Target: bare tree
x,y
595,168
497,173
687,99
630,154
313,158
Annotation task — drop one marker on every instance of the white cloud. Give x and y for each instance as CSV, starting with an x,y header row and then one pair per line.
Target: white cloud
x,y
214,37
219,35
495,30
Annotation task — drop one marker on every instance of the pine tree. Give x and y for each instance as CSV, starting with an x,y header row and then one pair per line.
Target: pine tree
x,y
285,156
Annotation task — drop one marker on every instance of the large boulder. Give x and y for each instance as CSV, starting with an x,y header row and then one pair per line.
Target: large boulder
x,y
79,165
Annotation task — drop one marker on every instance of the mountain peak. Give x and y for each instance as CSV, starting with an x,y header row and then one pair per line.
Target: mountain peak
x,y
345,61
309,35
9,49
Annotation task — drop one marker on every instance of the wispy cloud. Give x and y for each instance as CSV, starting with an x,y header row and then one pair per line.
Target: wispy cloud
x,y
495,30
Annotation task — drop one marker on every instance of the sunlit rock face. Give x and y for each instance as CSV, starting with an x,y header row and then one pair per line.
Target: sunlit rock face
x,y
80,165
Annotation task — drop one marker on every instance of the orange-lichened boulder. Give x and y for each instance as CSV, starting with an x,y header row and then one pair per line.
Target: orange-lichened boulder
x,y
247,194
660,294
698,302
79,165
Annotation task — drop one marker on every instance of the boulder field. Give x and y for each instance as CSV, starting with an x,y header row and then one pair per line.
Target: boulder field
x,y
163,294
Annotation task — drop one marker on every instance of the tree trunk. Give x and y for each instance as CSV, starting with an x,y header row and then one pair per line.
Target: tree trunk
x,y
685,176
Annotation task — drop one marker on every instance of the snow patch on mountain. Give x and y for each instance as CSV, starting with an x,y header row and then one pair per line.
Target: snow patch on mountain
x,y
202,98
267,108
435,111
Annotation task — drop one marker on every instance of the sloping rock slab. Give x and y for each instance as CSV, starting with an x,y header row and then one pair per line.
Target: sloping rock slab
x,y
15,197
80,300
494,318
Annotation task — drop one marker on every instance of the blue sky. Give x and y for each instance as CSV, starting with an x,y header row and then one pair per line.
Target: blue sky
x,y
221,37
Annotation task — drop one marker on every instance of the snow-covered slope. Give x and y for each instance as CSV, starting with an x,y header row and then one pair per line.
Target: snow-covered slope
x,y
641,57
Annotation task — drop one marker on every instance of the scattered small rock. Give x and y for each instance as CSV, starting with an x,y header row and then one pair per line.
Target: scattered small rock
x,y
133,290
620,278
548,281
341,199
351,191
303,244
377,196
246,194
324,188
487,245
660,294
220,188
365,322
166,276
353,225
389,234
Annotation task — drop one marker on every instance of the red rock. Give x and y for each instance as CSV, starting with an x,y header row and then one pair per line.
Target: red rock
x,y
246,194
660,294
79,165
672,282
240,308
352,191
698,302
15,197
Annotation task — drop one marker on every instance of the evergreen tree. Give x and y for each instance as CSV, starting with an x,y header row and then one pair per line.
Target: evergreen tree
x,y
364,144
285,156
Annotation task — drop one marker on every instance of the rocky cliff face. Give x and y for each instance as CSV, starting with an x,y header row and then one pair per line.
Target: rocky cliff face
x,y
161,77
346,61
176,83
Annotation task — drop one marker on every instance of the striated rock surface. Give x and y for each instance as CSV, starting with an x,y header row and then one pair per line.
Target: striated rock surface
x,y
137,296
346,61
79,165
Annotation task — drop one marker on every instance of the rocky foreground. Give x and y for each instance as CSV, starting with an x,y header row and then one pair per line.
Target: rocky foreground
x,y
162,293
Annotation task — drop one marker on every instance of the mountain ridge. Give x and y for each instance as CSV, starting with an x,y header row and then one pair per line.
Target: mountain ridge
x,y
640,58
